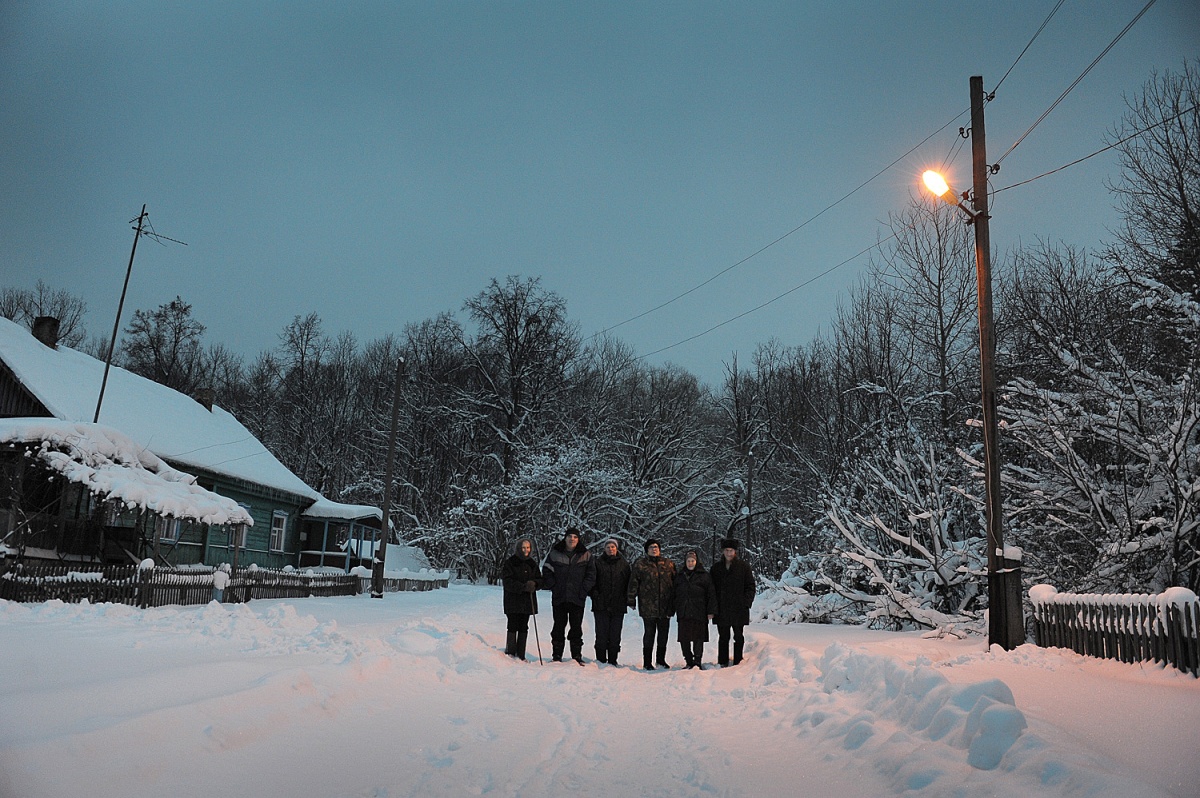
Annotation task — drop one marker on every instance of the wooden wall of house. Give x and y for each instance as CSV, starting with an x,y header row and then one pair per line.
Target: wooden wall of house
x,y
258,538
15,400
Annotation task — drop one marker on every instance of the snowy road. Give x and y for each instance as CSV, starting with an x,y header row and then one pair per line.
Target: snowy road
x,y
411,695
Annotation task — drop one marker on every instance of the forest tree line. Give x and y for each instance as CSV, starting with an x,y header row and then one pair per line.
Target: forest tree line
x,y
849,465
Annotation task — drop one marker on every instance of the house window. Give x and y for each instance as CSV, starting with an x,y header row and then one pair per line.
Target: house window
x,y
168,528
278,529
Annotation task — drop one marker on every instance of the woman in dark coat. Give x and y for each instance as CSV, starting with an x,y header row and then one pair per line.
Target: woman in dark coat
x,y
609,601
521,579
695,605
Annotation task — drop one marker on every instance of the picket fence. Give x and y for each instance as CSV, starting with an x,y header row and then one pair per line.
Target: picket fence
x,y
156,587
1162,628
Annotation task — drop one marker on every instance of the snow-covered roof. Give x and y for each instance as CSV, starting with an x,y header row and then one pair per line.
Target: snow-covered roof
x,y
326,508
110,464
170,424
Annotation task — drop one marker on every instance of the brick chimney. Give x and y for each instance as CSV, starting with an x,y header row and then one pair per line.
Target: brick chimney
x,y
206,397
45,329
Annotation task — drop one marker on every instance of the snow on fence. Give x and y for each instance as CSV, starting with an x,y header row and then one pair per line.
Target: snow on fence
x,y
156,587
1131,628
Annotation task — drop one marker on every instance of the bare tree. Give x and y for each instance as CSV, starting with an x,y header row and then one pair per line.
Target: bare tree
x,y
930,263
519,360
165,345
1159,189
23,305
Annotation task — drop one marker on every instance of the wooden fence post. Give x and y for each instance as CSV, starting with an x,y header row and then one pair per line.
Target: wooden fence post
x,y
144,574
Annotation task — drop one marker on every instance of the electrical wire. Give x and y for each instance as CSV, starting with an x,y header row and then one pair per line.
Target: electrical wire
x,y
1101,150
1077,80
771,301
1037,33
796,229
950,158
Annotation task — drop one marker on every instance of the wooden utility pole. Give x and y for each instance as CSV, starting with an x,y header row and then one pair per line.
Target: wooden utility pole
x,y
112,344
749,491
1005,623
385,532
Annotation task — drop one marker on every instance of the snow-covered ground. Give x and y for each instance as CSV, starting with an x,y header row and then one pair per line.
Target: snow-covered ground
x,y
412,696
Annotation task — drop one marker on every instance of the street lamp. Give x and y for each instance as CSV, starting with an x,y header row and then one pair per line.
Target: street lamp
x,y
1006,626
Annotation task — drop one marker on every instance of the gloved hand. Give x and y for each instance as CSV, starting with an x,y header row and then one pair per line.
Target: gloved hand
x,y
633,604
530,586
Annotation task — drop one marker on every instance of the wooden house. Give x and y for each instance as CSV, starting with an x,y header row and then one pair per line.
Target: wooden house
x,y
41,380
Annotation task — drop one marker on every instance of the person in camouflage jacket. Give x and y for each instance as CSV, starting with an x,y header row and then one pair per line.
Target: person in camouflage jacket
x,y
652,591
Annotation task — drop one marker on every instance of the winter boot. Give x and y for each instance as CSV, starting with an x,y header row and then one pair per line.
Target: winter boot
x,y
686,648
647,663
698,655
612,655
737,652
723,653
661,659
601,654
510,647
522,639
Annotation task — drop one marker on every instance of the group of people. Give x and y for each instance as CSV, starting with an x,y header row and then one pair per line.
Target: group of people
x,y
652,585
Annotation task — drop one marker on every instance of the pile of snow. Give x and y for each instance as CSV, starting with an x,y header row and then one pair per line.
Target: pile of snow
x,y
110,464
412,695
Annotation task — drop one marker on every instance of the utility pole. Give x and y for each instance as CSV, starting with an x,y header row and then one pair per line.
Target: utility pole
x,y
112,344
1005,622
139,231
749,490
381,550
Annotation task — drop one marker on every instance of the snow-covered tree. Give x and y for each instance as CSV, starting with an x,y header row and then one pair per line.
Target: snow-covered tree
x,y
1107,497
910,540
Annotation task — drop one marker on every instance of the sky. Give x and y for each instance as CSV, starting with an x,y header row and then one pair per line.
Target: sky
x,y
378,163
352,697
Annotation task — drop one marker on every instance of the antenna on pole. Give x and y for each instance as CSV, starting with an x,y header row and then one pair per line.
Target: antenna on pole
x,y
143,221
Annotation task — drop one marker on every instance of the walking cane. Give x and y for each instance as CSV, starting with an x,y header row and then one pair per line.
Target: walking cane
x,y
538,640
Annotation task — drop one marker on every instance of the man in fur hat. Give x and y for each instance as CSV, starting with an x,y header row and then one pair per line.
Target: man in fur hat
x,y
734,584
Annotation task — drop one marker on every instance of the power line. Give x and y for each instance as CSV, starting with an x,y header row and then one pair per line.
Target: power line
x,y
764,248
1036,33
757,308
1102,149
950,158
1077,80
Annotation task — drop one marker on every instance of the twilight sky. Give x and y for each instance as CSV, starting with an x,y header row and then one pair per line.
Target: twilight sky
x,y
379,162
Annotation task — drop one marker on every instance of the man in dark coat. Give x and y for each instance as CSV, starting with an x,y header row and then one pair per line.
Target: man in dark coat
x,y
652,591
520,577
569,573
734,584
695,606
609,598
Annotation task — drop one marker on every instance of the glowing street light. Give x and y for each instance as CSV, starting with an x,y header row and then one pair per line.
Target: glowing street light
x,y
938,186
936,183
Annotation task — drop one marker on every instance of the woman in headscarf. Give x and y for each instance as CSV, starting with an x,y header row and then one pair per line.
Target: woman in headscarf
x,y
521,579
695,605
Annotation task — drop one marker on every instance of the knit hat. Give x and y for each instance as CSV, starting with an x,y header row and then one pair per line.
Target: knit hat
x,y
730,543
651,542
692,553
